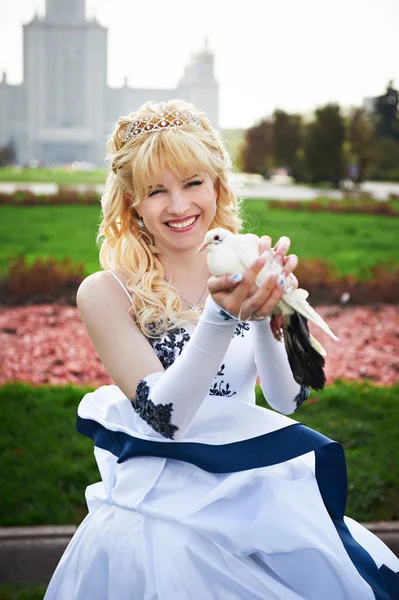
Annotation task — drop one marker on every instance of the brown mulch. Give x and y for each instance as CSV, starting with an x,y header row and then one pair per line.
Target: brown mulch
x,y
48,344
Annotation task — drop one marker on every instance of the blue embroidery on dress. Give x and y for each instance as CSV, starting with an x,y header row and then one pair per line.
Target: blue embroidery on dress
x,y
225,315
158,416
302,395
171,345
240,328
217,389
167,347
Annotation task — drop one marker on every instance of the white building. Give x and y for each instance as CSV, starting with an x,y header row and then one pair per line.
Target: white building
x,y
64,110
369,104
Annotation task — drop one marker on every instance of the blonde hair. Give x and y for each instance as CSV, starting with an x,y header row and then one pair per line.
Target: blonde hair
x,y
156,304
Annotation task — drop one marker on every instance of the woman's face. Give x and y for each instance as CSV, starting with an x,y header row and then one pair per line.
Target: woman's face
x,y
179,212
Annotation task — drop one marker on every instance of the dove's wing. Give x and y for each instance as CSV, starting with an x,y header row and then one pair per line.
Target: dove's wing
x,y
246,247
296,300
317,346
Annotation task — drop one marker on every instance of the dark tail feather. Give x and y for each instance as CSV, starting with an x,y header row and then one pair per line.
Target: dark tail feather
x,y
305,362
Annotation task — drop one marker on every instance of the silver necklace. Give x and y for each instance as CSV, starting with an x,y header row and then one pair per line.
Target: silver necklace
x,y
192,307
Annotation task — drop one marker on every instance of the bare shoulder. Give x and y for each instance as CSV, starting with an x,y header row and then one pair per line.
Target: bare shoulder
x,y
103,304
101,287
121,346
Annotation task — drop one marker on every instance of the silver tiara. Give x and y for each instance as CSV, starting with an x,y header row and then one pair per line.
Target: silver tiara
x,y
164,120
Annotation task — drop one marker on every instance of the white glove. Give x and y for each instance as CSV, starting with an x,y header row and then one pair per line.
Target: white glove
x,y
277,382
168,400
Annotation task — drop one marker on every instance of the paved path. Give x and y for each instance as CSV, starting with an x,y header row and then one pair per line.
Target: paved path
x,y
29,555
264,189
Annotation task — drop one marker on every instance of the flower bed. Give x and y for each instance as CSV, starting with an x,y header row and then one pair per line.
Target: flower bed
x,y
49,280
63,196
349,204
48,344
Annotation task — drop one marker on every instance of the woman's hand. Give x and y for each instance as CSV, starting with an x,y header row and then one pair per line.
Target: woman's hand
x,y
289,263
235,296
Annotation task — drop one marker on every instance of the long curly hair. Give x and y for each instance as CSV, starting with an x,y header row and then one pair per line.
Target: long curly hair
x,y
133,164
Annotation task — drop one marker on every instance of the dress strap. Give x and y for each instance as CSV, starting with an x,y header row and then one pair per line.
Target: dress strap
x,y
120,282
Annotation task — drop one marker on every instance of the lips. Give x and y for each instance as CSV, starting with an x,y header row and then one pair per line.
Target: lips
x,y
183,223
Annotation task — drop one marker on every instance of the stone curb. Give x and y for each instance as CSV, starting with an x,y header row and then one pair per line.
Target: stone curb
x,y
29,555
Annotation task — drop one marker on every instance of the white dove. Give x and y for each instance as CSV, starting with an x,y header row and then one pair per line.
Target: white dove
x,y
234,253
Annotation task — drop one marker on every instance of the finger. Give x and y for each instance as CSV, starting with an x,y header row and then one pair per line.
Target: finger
x,y
290,263
265,243
293,281
251,274
241,291
282,246
224,282
266,307
262,296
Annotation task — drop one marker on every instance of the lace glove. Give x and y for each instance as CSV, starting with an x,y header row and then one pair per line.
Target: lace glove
x,y
278,385
168,400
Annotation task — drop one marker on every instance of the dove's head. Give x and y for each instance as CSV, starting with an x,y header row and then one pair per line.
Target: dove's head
x,y
214,237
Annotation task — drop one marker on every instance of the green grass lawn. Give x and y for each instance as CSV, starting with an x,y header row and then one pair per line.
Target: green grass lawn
x,y
45,465
61,177
58,231
22,592
352,242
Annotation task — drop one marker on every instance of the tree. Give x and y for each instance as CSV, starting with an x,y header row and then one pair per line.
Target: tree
x,y
386,165
257,151
323,147
360,135
287,141
7,154
386,113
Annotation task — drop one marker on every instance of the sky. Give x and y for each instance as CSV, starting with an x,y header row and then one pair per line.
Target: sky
x,y
289,54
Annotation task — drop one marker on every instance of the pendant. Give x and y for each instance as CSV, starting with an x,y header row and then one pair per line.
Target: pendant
x,y
195,309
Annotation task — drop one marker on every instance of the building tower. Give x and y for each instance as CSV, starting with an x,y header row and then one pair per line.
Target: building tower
x,y
64,110
65,60
198,84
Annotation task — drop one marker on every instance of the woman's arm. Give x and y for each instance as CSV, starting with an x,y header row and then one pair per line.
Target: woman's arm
x,y
278,385
166,400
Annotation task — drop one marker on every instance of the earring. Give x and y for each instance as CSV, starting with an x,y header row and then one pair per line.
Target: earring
x,y
141,223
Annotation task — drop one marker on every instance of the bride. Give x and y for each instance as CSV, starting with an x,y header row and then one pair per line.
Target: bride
x,y
203,494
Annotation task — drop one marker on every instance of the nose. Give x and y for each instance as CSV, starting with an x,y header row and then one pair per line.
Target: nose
x,y
179,205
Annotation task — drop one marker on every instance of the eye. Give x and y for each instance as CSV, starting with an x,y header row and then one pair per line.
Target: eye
x,y
194,183
216,238
154,193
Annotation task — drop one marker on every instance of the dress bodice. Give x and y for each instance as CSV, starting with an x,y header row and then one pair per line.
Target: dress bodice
x,y
236,375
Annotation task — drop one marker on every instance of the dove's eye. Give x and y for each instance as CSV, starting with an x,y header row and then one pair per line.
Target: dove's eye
x,y
216,238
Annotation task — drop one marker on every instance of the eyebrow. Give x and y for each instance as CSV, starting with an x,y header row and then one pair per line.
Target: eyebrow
x,y
159,185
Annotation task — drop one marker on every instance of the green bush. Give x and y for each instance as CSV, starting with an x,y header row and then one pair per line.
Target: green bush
x,y
43,276
385,175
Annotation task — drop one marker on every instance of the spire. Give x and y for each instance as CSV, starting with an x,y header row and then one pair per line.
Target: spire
x,y
65,11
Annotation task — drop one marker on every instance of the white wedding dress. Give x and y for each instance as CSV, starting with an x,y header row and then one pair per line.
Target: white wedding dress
x,y
247,506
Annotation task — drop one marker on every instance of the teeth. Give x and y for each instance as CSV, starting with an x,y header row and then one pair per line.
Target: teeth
x,y
182,224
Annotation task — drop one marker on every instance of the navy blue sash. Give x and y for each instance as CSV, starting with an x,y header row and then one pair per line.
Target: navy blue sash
x,y
264,451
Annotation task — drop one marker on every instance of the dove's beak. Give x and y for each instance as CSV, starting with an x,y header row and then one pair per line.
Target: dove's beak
x,y
203,246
